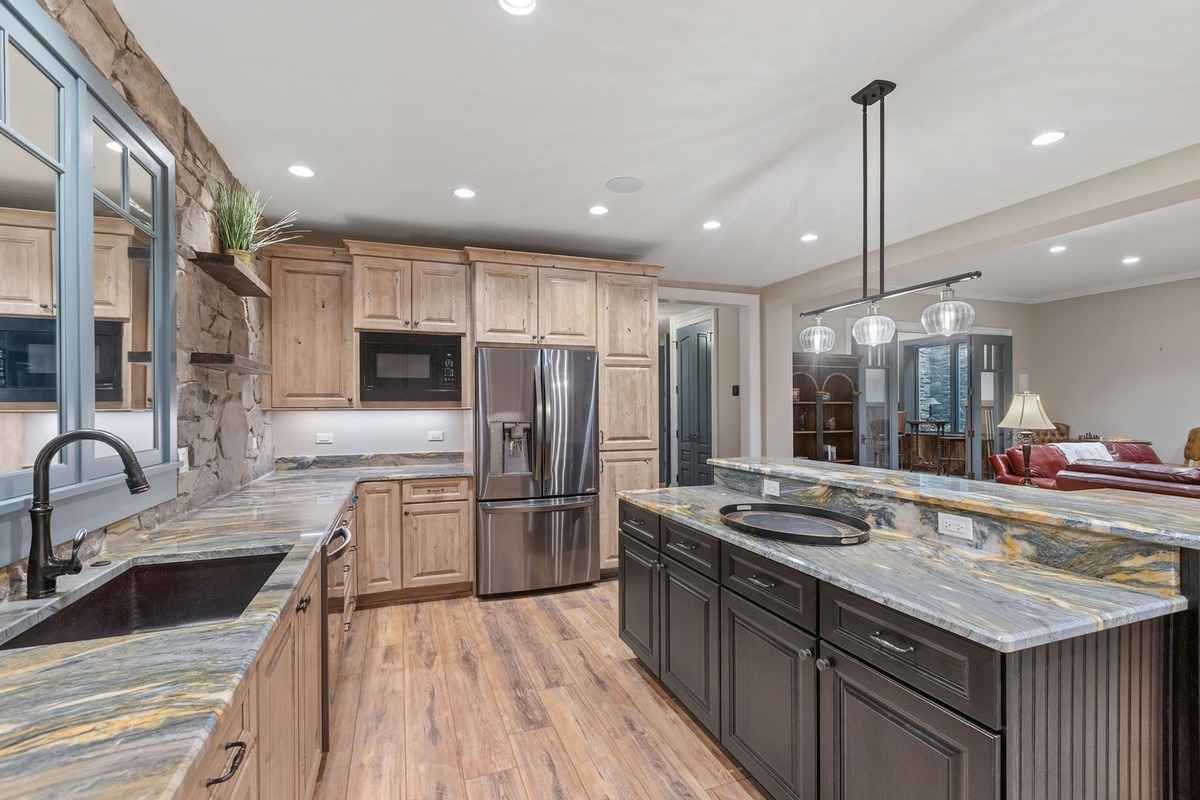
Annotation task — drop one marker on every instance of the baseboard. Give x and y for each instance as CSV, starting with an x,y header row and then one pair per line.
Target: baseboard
x,y
417,595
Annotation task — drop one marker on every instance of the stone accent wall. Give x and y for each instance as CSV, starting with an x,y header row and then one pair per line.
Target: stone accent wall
x,y
221,415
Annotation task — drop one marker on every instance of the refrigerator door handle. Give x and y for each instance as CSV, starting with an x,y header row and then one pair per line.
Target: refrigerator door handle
x,y
548,505
539,425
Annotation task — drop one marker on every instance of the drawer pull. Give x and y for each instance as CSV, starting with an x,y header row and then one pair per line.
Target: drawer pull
x,y
878,639
761,583
687,547
437,490
824,664
635,527
805,654
303,605
234,765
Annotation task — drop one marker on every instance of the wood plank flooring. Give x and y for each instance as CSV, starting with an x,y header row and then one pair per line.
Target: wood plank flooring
x,y
527,698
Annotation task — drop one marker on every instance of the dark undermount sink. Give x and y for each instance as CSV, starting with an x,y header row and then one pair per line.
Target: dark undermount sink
x,y
152,596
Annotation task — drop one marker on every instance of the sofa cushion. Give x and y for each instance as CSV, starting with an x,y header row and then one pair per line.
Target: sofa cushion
x,y
1071,481
1136,453
1174,473
1046,461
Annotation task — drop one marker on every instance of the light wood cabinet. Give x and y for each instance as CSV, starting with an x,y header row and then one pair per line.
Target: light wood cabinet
x,y
113,296
566,307
379,531
382,294
628,345
227,769
312,341
619,472
431,490
439,544
439,297
279,714
26,270
309,684
506,303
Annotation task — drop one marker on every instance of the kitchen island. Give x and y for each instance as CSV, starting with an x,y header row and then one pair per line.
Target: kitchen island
x,y
1043,657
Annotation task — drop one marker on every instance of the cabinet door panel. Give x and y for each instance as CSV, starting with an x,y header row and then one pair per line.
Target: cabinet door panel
x,y
110,276
311,336
769,698
26,271
438,544
439,297
637,592
382,294
620,472
309,645
566,307
278,718
378,522
506,303
880,738
628,317
691,622
628,407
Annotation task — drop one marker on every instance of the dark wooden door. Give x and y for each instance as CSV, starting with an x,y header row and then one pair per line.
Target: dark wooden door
x,y
769,698
664,405
695,404
691,644
880,739
638,604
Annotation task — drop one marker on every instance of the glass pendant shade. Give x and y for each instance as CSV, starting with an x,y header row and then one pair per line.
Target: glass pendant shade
x,y
948,316
816,338
874,329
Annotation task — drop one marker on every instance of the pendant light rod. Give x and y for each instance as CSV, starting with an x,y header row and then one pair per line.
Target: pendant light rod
x,y
865,243
882,139
879,298
869,95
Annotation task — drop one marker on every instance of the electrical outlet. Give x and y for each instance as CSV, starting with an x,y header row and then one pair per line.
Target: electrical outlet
x,y
184,455
956,526
435,436
324,438
770,488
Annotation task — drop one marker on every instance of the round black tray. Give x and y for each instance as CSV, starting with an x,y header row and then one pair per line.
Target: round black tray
x,y
797,524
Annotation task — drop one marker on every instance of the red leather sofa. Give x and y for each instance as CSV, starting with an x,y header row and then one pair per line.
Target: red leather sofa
x,y
1135,467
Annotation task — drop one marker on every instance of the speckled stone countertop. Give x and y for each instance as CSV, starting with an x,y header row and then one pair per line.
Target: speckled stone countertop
x,y
1156,518
124,717
1005,604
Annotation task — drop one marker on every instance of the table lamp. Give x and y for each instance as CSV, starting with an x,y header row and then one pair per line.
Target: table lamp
x,y
1026,415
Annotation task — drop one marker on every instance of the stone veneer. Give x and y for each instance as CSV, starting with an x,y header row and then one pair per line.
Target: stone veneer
x,y
221,415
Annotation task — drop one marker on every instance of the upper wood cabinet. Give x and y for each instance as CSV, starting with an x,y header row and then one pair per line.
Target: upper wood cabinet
x,y
628,344
110,276
312,341
26,270
382,294
566,307
506,303
439,297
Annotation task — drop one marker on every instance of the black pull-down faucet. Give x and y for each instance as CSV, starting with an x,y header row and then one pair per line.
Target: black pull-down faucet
x,y
44,568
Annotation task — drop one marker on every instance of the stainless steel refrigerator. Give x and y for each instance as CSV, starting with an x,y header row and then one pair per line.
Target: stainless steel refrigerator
x,y
536,466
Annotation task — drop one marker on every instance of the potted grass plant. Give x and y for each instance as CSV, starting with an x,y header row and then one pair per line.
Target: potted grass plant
x,y
241,225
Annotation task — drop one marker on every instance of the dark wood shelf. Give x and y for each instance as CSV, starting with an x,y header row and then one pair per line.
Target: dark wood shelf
x,y
234,273
228,362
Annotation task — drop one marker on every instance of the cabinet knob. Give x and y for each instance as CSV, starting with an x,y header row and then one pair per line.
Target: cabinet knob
x,y
824,664
805,654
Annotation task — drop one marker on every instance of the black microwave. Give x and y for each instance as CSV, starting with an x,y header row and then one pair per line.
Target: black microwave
x,y
29,360
421,367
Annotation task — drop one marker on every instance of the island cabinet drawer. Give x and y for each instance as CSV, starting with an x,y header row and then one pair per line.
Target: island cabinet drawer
x,y
962,674
790,594
640,524
228,756
697,550
432,490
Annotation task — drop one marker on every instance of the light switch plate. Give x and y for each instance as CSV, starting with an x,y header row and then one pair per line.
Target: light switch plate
x,y
324,438
956,526
770,488
436,436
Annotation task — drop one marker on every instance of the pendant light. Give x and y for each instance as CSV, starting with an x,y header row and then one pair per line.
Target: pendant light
x,y
874,329
948,316
816,338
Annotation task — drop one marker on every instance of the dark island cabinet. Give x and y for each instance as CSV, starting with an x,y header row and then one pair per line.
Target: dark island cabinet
x,y
769,698
637,601
880,739
691,644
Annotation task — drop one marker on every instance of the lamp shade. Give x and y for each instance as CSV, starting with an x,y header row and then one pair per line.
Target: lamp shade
x,y
816,338
874,329
1026,414
948,316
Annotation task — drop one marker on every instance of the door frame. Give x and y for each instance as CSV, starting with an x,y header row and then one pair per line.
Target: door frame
x,y
699,314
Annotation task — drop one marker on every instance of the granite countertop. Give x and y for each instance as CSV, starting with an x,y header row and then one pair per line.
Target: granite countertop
x,y
1005,604
126,716
1156,518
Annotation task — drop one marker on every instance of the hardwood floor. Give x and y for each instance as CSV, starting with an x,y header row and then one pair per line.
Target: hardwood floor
x,y
527,698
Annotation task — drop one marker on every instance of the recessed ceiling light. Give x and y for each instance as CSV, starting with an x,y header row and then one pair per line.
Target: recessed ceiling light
x,y
301,171
809,237
115,146
464,193
711,225
598,211
518,8
625,184
1049,137
1130,260
1058,248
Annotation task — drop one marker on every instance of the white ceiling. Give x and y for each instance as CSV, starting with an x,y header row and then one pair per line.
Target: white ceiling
x,y
735,111
1166,241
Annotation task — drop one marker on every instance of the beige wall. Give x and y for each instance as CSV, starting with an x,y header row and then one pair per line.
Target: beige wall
x,y
728,443
1123,363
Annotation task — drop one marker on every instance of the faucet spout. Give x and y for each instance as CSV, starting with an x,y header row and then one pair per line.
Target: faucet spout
x,y
44,568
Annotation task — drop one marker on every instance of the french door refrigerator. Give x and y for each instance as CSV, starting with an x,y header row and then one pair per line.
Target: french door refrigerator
x,y
536,465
